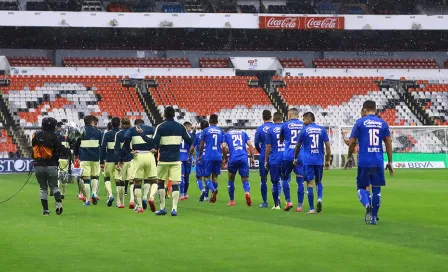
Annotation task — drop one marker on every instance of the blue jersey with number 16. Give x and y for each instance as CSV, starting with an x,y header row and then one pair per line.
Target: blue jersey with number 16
x,y
290,131
213,138
313,138
236,141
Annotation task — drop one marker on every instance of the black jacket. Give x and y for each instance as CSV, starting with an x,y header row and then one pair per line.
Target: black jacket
x,y
49,139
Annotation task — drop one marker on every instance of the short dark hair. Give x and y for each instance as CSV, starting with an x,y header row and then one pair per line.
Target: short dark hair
x,y
109,126
187,124
125,123
267,115
59,124
278,116
213,119
204,124
310,115
139,122
115,122
88,120
169,112
369,105
294,110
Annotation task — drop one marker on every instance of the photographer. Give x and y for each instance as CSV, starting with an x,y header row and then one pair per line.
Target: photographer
x,y
46,152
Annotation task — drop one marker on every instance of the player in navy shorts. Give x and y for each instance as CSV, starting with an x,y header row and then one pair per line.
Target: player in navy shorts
x,y
260,145
236,143
312,139
185,158
274,157
289,135
200,164
211,142
370,131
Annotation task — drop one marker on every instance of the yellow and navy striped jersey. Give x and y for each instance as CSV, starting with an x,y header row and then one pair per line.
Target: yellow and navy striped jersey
x,y
122,155
88,146
136,139
107,151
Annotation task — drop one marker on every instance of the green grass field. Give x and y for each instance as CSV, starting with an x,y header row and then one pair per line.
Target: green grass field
x,y
411,236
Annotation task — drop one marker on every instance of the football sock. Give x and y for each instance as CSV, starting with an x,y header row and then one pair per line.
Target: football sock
x,y
275,194
95,187
320,190
215,185
200,184
108,187
376,200
87,189
186,183
210,185
311,197
231,189
63,187
138,194
182,187
146,189
154,188
264,189
126,183
300,191
170,187
44,203
286,190
207,190
162,195
58,200
131,193
363,196
246,186
175,195
279,189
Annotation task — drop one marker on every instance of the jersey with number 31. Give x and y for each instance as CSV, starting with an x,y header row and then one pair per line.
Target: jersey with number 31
x,y
236,141
290,131
213,138
313,138
370,132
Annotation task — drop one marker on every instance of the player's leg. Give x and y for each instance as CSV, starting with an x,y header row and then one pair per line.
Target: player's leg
x,y
133,169
52,179
174,174
318,173
182,182
119,187
377,181
300,174
152,186
243,169
126,185
42,176
95,168
162,174
86,171
139,176
287,168
274,170
231,167
208,167
264,184
187,179
63,176
363,182
216,171
109,171
309,178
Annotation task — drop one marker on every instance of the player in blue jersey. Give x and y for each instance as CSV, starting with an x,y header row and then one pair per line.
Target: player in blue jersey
x,y
194,150
260,145
312,139
370,131
274,157
289,135
185,158
211,141
235,144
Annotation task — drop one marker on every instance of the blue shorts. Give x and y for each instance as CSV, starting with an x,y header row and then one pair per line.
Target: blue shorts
x,y
275,170
200,169
263,171
370,176
313,172
186,168
212,167
288,167
242,166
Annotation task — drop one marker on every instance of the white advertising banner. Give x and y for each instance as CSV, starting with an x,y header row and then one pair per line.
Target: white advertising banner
x,y
419,165
256,63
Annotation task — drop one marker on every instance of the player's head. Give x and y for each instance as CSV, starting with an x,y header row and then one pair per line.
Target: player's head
x,y
308,118
293,113
169,112
95,121
59,125
109,126
139,122
49,124
278,117
204,124
89,120
267,116
125,123
115,122
363,112
369,106
213,119
188,126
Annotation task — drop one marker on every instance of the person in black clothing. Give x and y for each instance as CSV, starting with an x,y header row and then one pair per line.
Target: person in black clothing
x,y
46,151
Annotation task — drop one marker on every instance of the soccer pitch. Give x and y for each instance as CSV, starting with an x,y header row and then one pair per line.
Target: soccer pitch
x,y
412,234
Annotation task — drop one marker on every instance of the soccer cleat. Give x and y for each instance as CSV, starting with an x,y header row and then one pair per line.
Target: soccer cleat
x,y
202,197
81,197
368,217
263,205
276,208
46,213
87,203
231,203
161,212
186,197
319,206
182,198
121,206
248,200
213,198
131,205
288,207
59,211
94,199
299,209
62,196
144,204
152,206
140,210
205,198
110,201
173,213
312,212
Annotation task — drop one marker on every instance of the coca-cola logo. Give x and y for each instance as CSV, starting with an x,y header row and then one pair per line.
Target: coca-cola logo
x,y
322,23
282,22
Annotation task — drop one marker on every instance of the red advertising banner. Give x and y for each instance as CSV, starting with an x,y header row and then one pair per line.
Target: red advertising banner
x,y
296,22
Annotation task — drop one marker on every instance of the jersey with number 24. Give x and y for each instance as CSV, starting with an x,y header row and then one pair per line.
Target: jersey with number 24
x,y
290,131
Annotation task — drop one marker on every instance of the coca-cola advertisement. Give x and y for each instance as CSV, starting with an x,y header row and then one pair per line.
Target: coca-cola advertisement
x,y
301,22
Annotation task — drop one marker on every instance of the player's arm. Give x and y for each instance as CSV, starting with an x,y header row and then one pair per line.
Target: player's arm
x,y
186,137
388,143
103,149
257,141
225,152
76,148
327,155
251,152
267,149
298,147
281,138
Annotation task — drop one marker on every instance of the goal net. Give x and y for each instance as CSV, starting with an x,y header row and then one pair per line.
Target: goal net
x,y
413,147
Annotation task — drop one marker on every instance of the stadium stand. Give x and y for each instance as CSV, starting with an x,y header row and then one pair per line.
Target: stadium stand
x,y
91,5
29,62
62,5
6,144
292,63
118,7
9,5
215,63
377,63
281,9
70,98
172,7
37,5
248,9
126,62
433,99
304,7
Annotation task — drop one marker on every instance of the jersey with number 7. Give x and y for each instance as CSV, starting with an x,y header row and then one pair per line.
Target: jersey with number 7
x,y
370,132
290,133
213,137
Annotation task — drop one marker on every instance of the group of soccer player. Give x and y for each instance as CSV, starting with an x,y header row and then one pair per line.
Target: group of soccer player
x,y
128,154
